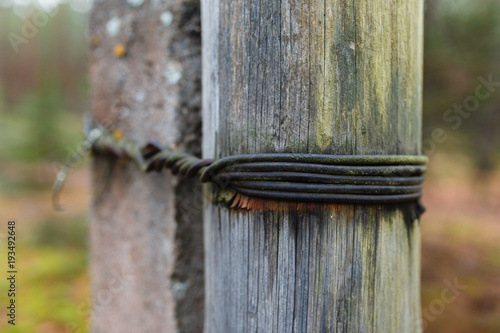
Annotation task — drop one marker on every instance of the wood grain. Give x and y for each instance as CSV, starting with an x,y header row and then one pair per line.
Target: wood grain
x,y
331,77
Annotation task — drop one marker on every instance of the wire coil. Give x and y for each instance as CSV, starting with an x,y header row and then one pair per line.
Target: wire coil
x,y
370,179
321,178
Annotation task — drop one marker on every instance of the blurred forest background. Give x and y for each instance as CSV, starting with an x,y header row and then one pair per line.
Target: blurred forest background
x,y
44,92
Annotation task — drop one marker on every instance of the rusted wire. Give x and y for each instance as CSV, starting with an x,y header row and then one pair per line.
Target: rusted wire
x,y
372,179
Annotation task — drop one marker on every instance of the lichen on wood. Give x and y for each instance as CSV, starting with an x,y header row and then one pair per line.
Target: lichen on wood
x,y
145,67
326,77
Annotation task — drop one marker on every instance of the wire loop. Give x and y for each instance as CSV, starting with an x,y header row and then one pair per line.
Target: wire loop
x,y
370,179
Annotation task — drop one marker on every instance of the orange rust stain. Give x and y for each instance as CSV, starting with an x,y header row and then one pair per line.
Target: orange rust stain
x,y
243,203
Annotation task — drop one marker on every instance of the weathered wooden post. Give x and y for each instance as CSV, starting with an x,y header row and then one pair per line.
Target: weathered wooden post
x,y
329,77
146,241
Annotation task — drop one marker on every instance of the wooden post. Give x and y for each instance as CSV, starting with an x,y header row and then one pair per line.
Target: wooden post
x,y
331,77
146,235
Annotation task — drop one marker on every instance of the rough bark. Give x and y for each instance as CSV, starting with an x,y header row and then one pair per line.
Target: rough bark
x,y
332,77
146,239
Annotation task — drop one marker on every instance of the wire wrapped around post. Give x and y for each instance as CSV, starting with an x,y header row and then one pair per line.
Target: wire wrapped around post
x,y
366,179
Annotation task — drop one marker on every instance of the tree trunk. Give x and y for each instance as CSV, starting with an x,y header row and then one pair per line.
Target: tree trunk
x,y
330,77
146,238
